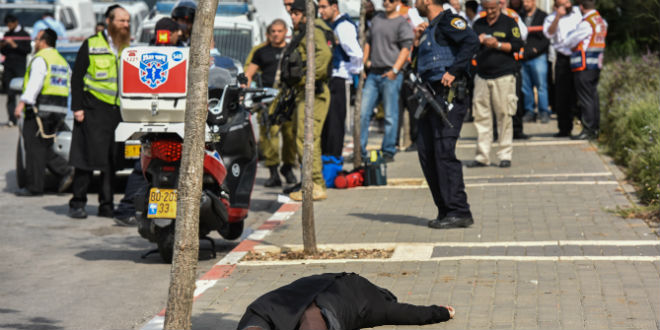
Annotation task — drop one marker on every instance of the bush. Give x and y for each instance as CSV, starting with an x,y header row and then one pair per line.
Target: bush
x,y
630,120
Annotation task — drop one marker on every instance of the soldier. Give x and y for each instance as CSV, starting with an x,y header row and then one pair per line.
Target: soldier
x,y
444,48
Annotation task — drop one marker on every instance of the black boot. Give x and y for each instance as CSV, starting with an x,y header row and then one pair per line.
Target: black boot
x,y
274,180
288,174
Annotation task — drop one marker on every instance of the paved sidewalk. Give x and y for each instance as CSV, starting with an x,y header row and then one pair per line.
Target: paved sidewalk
x,y
544,252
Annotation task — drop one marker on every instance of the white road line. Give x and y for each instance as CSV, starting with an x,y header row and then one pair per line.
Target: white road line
x,y
280,216
523,176
203,285
412,252
524,144
259,235
157,323
423,185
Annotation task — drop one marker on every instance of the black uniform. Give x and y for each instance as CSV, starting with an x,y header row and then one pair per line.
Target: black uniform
x,y
436,141
14,65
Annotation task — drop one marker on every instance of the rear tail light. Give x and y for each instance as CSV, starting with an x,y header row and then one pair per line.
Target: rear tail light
x,y
167,150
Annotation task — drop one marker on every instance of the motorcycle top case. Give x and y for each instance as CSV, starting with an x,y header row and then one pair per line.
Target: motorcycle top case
x,y
152,83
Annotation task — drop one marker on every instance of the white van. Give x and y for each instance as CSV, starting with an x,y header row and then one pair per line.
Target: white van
x,y
74,14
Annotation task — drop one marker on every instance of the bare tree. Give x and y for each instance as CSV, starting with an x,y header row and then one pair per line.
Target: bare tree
x,y
186,239
309,233
357,152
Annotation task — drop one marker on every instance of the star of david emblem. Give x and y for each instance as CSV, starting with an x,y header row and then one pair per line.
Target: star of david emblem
x,y
153,69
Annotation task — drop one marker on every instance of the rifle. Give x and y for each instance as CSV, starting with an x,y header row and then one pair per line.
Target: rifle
x,y
426,96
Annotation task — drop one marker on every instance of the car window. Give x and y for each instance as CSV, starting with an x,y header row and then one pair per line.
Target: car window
x,y
26,16
68,19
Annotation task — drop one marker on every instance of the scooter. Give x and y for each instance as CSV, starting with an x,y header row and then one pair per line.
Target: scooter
x,y
230,164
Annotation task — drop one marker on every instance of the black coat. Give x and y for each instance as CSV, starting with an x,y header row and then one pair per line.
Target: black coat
x,y
15,58
92,144
536,44
348,301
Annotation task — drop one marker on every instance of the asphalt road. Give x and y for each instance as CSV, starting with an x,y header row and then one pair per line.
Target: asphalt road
x,y
61,273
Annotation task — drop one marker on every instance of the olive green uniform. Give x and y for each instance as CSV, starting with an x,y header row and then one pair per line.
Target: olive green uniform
x,y
321,99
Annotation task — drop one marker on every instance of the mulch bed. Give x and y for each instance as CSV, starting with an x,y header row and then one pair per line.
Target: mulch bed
x,y
322,254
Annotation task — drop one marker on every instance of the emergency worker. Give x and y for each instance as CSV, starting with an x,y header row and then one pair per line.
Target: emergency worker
x,y
443,49
323,56
184,14
95,105
588,44
44,100
265,58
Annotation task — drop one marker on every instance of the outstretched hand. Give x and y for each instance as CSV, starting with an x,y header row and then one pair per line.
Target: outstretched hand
x,y
451,310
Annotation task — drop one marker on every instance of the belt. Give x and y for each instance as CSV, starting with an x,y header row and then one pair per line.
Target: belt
x,y
379,70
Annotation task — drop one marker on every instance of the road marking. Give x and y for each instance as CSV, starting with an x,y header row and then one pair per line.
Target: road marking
x,y
548,175
258,235
525,144
423,185
412,252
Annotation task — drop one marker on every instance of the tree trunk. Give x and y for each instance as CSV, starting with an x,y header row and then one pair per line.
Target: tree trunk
x,y
309,233
186,239
357,152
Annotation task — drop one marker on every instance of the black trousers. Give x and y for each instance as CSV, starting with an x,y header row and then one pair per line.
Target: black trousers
x,y
81,182
11,71
39,152
411,107
135,184
565,98
436,148
586,88
332,136
520,107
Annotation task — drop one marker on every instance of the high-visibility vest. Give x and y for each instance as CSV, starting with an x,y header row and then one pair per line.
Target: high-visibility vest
x,y
592,57
101,76
55,90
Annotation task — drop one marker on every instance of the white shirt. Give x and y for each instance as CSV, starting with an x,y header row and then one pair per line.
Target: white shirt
x,y
348,40
38,71
582,34
566,24
112,44
414,16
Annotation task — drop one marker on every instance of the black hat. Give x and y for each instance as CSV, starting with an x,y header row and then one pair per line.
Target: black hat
x,y
110,9
299,5
167,23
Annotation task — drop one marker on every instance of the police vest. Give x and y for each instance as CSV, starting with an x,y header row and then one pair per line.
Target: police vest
x,y
432,58
592,57
55,90
101,77
338,53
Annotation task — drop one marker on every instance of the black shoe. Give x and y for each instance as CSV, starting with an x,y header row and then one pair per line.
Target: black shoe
x,y
126,221
561,134
24,192
412,147
505,164
584,135
77,213
475,163
105,212
274,180
287,172
545,117
529,117
291,189
66,181
451,222
388,158
520,136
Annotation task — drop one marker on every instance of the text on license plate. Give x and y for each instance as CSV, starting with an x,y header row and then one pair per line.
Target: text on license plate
x,y
132,151
162,203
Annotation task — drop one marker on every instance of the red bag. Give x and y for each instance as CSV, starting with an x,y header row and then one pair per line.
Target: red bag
x,y
351,179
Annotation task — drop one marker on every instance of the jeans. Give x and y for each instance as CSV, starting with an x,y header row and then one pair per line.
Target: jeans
x,y
535,74
380,88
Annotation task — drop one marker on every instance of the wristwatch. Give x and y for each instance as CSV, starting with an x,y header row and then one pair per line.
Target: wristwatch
x,y
499,45
395,70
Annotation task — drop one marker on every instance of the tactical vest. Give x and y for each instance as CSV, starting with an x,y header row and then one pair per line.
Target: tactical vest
x,y
592,57
338,53
55,91
432,58
101,77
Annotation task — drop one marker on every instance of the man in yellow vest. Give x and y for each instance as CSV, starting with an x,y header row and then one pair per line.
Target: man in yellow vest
x,y
44,101
95,105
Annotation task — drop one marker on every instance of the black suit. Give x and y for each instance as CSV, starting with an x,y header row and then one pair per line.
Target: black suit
x,y
347,301
14,65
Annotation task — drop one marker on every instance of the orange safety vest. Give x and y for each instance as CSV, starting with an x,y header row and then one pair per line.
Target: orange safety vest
x,y
592,57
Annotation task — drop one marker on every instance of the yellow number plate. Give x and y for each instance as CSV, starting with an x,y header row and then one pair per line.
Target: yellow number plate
x,y
162,204
132,151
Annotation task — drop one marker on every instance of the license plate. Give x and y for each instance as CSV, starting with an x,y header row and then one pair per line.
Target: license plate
x,y
132,151
162,204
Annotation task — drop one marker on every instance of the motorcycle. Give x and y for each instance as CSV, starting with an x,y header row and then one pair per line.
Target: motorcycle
x,y
230,164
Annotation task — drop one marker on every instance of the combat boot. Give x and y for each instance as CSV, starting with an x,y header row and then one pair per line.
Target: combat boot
x,y
274,180
319,193
287,171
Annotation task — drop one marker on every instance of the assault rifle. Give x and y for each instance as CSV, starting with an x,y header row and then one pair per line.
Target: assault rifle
x,y
424,94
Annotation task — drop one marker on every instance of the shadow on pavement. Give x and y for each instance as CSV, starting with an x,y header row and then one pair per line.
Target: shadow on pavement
x,y
393,218
213,321
40,323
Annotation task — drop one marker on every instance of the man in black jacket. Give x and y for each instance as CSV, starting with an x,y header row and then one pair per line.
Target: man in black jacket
x,y
15,46
535,63
335,301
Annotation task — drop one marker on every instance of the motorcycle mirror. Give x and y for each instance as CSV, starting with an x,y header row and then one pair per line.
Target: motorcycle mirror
x,y
242,79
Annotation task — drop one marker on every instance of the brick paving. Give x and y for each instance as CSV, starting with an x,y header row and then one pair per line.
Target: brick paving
x,y
556,191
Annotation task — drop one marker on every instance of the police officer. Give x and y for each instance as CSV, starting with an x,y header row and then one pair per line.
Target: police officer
x,y
95,105
444,46
44,99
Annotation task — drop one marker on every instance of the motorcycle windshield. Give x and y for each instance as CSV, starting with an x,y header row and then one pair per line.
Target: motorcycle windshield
x,y
219,78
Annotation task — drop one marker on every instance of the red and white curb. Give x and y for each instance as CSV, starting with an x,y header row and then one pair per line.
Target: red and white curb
x,y
224,267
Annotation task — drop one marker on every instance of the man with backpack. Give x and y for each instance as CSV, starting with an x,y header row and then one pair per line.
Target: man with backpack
x,y
293,69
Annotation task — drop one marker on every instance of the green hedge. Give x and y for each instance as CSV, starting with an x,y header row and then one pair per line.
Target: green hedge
x,y
629,92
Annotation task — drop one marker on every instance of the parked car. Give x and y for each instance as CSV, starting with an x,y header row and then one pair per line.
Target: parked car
x,y
74,14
